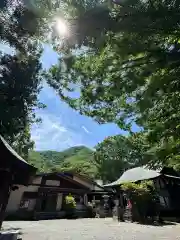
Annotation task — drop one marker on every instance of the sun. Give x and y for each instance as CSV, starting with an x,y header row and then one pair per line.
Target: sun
x,y
61,27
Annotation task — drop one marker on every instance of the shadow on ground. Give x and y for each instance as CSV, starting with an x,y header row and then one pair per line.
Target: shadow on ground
x,y
165,223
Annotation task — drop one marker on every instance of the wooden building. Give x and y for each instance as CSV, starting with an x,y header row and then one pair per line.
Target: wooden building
x,y
166,182
44,198
13,170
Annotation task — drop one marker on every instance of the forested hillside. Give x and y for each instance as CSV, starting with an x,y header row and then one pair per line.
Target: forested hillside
x,y
78,159
109,160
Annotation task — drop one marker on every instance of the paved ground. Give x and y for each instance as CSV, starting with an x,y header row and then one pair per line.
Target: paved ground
x,y
93,229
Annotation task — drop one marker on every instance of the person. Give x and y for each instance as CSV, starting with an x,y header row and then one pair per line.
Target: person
x,y
111,203
110,206
158,218
121,207
125,201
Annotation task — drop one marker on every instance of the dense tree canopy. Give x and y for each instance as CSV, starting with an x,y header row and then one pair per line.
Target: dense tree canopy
x,y
20,74
129,73
24,21
117,154
20,79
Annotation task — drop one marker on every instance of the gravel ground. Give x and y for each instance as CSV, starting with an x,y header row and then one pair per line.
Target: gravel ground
x,y
92,229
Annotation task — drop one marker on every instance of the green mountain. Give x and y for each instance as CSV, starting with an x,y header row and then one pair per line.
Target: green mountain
x,y
77,159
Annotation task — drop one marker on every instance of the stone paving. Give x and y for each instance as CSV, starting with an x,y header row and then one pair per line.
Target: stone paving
x,y
92,229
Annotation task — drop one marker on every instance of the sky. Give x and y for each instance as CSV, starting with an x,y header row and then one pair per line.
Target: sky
x,y
63,127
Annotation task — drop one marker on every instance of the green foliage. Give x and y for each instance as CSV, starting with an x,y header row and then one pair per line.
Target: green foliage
x,y
81,163
139,192
143,196
112,157
126,70
25,21
20,73
22,25
117,154
129,73
77,159
70,202
20,81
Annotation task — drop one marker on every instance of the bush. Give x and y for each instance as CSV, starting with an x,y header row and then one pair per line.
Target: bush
x,y
70,202
70,206
142,197
139,192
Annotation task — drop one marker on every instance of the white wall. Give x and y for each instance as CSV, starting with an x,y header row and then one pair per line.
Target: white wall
x,y
15,197
52,183
59,201
37,180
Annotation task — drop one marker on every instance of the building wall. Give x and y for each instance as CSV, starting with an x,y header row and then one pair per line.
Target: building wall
x,y
52,183
59,201
16,196
163,193
32,204
83,182
37,180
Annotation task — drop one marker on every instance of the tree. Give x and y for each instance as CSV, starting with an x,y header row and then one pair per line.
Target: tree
x,y
142,196
80,163
117,154
110,158
24,21
22,25
131,74
138,146
20,83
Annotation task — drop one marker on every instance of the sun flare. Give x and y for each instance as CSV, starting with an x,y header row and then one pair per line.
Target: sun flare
x,y
61,27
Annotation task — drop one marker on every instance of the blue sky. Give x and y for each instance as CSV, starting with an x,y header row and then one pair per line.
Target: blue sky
x,y
61,126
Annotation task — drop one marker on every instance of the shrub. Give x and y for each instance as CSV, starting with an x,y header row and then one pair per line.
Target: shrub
x,y
70,202
139,191
142,196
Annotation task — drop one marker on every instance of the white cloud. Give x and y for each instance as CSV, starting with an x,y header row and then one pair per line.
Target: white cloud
x,y
51,134
85,129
